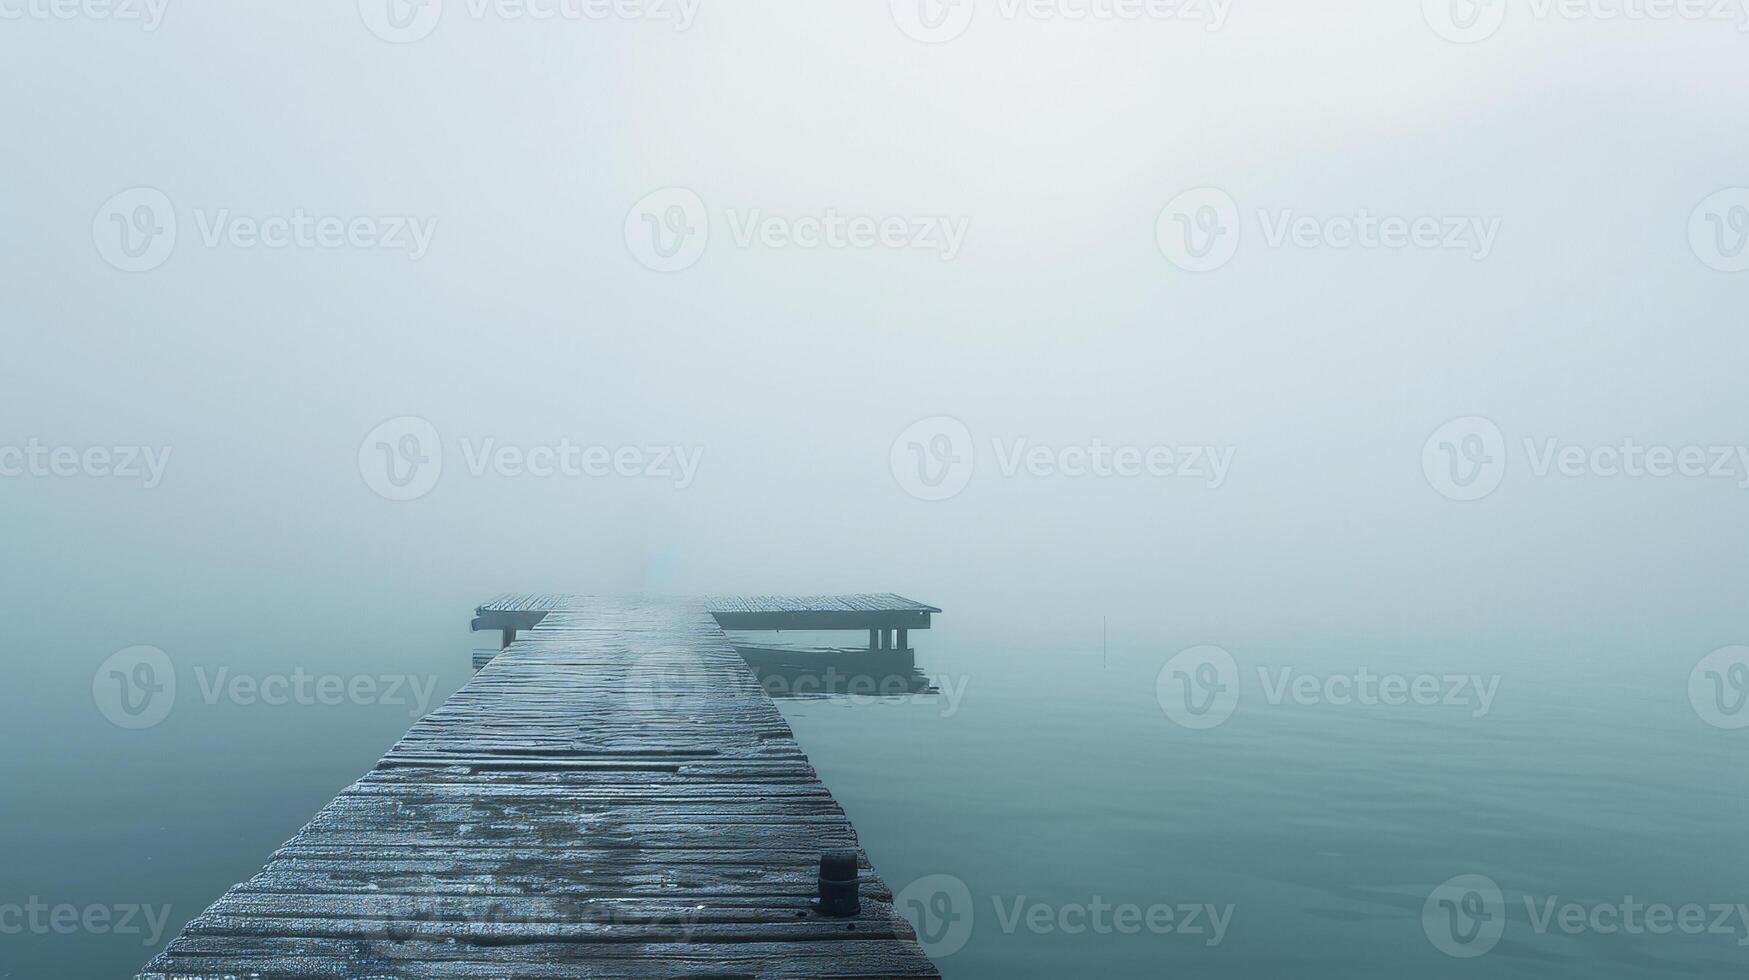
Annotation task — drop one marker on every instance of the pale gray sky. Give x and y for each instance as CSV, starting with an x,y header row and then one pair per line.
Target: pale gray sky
x,y
1054,144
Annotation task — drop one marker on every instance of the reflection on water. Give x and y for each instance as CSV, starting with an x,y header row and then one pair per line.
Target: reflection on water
x,y
799,671
792,671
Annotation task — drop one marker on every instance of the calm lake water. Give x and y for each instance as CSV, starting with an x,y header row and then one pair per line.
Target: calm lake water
x,y
1321,830
1043,815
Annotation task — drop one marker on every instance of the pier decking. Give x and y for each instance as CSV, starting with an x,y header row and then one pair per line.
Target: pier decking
x,y
612,796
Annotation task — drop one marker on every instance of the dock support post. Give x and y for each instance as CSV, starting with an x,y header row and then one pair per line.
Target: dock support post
x,y
509,638
839,896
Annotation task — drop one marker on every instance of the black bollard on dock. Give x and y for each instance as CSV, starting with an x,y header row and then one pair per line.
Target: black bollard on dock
x,y
839,885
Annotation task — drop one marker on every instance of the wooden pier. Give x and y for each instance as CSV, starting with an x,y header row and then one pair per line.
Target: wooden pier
x,y
889,618
611,796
